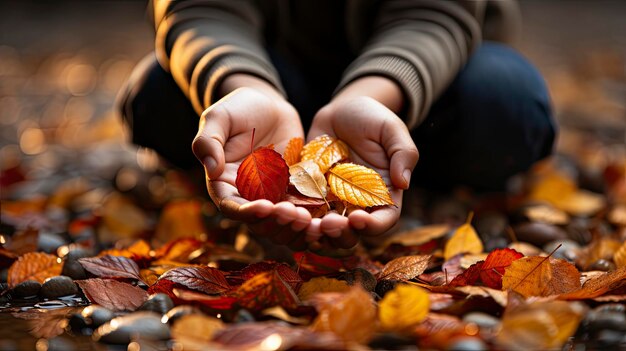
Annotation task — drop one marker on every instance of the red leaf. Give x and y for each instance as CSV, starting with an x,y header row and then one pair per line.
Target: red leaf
x,y
212,302
111,267
206,279
286,273
265,290
493,269
112,294
469,277
264,174
316,265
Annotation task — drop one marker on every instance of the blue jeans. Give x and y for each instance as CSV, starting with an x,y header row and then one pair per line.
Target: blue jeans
x,y
493,121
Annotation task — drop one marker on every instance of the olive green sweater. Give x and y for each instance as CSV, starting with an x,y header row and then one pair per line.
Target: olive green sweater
x,y
420,44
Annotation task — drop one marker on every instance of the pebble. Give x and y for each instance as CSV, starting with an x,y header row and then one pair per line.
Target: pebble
x,y
97,315
496,243
79,324
569,250
610,307
160,303
538,233
607,320
145,324
243,316
491,225
359,275
58,286
71,267
601,265
29,288
50,305
609,338
483,320
467,344
179,311
4,275
385,286
392,341
50,242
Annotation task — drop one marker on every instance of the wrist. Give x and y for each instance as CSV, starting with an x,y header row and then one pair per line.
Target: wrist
x,y
379,88
244,80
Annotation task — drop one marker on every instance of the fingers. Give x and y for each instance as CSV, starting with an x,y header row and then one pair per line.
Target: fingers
x,y
208,145
402,152
376,223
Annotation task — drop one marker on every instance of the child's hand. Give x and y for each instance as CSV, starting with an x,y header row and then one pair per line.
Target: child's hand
x,y
223,141
378,139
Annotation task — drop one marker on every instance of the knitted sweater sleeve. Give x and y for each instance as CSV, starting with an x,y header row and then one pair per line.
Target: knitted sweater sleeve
x,y
201,42
421,45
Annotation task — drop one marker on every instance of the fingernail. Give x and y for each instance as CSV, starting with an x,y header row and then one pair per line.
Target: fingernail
x,y
210,163
406,175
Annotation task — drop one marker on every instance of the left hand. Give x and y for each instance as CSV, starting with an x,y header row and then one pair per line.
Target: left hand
x,y
378,139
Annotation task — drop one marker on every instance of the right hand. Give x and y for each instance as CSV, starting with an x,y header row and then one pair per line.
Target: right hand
x,y
223,141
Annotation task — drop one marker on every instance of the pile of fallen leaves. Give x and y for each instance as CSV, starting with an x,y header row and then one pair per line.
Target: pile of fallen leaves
x,y
545,270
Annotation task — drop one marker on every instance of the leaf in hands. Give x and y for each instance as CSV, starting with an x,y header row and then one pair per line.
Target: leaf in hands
x,y
36,266
111,267
265,290
464,240
206,279
293,150
263,175
325,151
112,294
403,307
541,276
492,269
358,185
404,268
307,177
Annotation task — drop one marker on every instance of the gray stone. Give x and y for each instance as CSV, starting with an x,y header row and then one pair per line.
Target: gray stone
x,y
58,286
159,303
97,315
483,320
25,289
146,325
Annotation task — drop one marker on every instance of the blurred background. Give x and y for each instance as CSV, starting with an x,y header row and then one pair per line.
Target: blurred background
x,y
62,63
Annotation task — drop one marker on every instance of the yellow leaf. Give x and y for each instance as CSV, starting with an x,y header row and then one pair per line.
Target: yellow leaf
x,y
541,276
464,240
292,151
620,256
307,177
358,185
540,325
403,307
195,331
325,151
419,235
321,285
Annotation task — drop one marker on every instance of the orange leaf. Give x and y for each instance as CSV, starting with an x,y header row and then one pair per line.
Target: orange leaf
x,y
263,175
358,185
140,250
541,276
597,286
180,218
114,295
464,240
620,256
37,266
404,268
492,269
265,290
292,151
321,285
325,151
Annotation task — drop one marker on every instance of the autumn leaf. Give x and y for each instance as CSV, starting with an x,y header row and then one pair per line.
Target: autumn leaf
x,y
138,251
492,269
113,294
292,151
403,307
321,285
469,277
177,250
263,175
305,201
24,241
180,218
307,177
541,276
265,290
195,331
464,240
36,266
597,286
404,268
206,279
419,235
358,185
601,248
316,265
325,151
111,267
620,256
284,271
539,325
351,316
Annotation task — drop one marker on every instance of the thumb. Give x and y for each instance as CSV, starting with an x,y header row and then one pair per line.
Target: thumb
x,y
208,145
402,153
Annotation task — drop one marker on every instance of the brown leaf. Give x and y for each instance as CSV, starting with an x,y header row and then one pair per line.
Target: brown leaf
x,y
263,175
265,290
602,248
325,151
24,241
307,177
112,294
111,267
206,279
351,316
292,151
36,266
195,331
404,268
539,325
620,256
419,235
46,323
358,185
541,276
597,286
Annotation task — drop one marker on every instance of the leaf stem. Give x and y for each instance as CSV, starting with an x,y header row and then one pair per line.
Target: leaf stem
x,y
252,141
